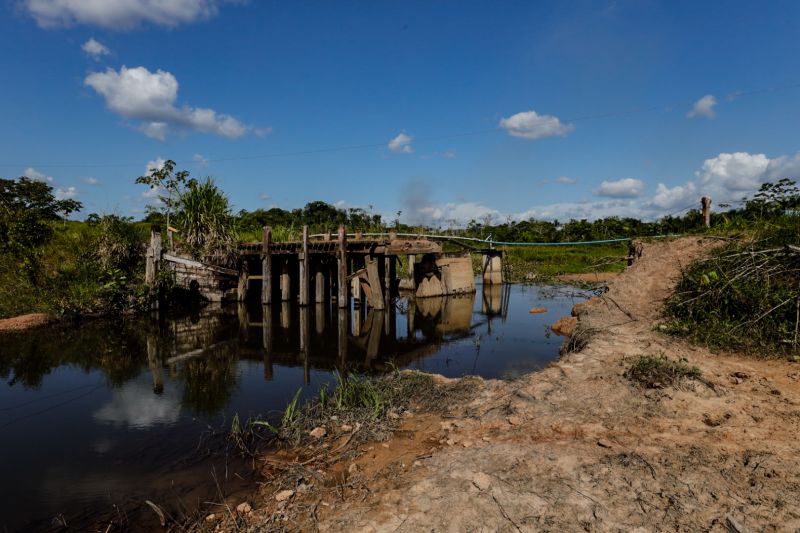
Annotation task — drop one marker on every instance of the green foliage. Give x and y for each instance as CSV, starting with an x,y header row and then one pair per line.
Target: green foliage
x,y
653,372
205,223
746,296
168,185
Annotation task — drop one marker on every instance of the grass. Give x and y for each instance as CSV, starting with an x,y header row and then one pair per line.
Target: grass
x,y
657,371
545,262
372,405
745,296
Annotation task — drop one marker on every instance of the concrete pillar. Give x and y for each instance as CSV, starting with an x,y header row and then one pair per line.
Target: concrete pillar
x,y
286,282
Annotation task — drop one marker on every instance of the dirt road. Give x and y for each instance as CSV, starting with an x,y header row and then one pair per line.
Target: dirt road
x,y
577,447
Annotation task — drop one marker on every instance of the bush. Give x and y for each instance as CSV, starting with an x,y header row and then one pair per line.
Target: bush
x,y
654,372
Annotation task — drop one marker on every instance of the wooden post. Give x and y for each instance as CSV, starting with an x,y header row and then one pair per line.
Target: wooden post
x,y
705,202
341,321
412,280
305,270
387,274
243,282
266,267
153,256
376,294
319,318
342,259
319,283
286,282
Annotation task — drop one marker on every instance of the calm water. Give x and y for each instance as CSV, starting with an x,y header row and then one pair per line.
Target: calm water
x,y
96,419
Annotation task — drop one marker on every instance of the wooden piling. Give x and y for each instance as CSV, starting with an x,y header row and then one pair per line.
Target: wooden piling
x,y
319,284
266,267
153,256
412,280
286,282
305,269
375,293
241,293
342,260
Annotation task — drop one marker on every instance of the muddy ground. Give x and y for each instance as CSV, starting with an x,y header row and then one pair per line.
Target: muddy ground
x,y
576,447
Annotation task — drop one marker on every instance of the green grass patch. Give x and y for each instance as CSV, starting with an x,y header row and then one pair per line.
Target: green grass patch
x,y
657,371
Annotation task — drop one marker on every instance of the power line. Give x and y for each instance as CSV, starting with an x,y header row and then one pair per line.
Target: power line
x,y
343,148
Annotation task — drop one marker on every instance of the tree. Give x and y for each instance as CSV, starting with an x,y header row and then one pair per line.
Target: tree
x,y
165,179
26,208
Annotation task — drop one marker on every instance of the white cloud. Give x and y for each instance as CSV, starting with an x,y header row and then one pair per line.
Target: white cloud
x,y
566,180
730,176
155,130
95,49
89,181
154,164
199,160
678,196
623,188
704,107
119,14
263,197
739,171
66,193
34,174
449,154
530,125
401,144
136,93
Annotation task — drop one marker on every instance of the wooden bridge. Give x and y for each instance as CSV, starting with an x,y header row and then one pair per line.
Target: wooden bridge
x,y
328,267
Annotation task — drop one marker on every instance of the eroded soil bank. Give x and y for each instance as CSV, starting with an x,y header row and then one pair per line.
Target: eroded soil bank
x,y
576,447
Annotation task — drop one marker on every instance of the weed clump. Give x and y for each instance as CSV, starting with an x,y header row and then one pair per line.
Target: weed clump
x,y
655,372
746,296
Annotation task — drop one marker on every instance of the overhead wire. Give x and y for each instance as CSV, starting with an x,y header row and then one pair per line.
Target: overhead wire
x,y
332,149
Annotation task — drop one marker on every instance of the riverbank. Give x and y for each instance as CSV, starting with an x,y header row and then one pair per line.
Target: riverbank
x,y
577,446
26,322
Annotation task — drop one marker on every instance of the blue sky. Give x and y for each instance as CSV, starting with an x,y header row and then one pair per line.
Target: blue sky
x,y
446,111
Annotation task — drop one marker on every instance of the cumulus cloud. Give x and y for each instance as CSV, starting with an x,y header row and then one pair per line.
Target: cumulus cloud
x,y
154,164
730,176
704,107
530,125
623,188
678,196
89,180
95,49
401,144
34,174
119,14
136,93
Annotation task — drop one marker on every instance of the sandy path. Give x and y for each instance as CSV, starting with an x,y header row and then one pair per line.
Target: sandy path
x,y
577,448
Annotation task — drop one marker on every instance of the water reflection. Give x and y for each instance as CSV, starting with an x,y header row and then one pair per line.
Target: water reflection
x,y
130,399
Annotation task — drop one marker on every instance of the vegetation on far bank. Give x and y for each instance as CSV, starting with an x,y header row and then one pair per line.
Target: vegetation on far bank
x,y
52,263
746,295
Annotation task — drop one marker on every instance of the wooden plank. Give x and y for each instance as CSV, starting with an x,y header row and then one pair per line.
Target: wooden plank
x,y
305,264
266,266
376,294
342,260
405,247
197,264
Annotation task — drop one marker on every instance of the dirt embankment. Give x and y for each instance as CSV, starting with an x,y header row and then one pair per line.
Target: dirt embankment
x,y
577,447
23,322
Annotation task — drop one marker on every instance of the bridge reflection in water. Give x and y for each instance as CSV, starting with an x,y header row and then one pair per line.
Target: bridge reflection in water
x,y
317,337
